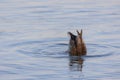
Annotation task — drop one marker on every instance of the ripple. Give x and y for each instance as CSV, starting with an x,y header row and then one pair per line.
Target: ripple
x,y
2,72
99,50
45,41
41,49
101,55
58,50
62,44
25,43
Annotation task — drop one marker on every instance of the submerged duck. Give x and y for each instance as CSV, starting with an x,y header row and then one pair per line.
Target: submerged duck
x,y
77,46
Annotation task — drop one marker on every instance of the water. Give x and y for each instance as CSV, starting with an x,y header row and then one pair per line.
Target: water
x,y
34,40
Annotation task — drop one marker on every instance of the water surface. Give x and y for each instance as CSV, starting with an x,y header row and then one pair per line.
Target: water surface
x,y
34,40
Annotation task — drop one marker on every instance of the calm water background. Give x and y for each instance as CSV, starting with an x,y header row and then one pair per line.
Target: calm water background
x,y
34,40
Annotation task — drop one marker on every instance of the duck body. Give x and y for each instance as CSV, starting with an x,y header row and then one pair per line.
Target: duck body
x,y
77,46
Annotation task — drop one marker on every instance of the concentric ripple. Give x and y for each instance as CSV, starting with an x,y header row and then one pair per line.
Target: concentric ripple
x,y
59,49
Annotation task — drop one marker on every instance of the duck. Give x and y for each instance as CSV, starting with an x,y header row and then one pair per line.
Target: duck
x,y
77,45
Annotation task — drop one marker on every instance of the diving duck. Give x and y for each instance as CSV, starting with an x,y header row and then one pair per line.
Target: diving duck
x,y
77,46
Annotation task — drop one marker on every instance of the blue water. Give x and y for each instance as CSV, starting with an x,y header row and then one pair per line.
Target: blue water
x,y
34,40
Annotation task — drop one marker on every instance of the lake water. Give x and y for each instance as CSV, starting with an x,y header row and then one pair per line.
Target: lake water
x,y
34,40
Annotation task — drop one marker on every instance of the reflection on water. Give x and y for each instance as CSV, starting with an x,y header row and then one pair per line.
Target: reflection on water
x,y
76,63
